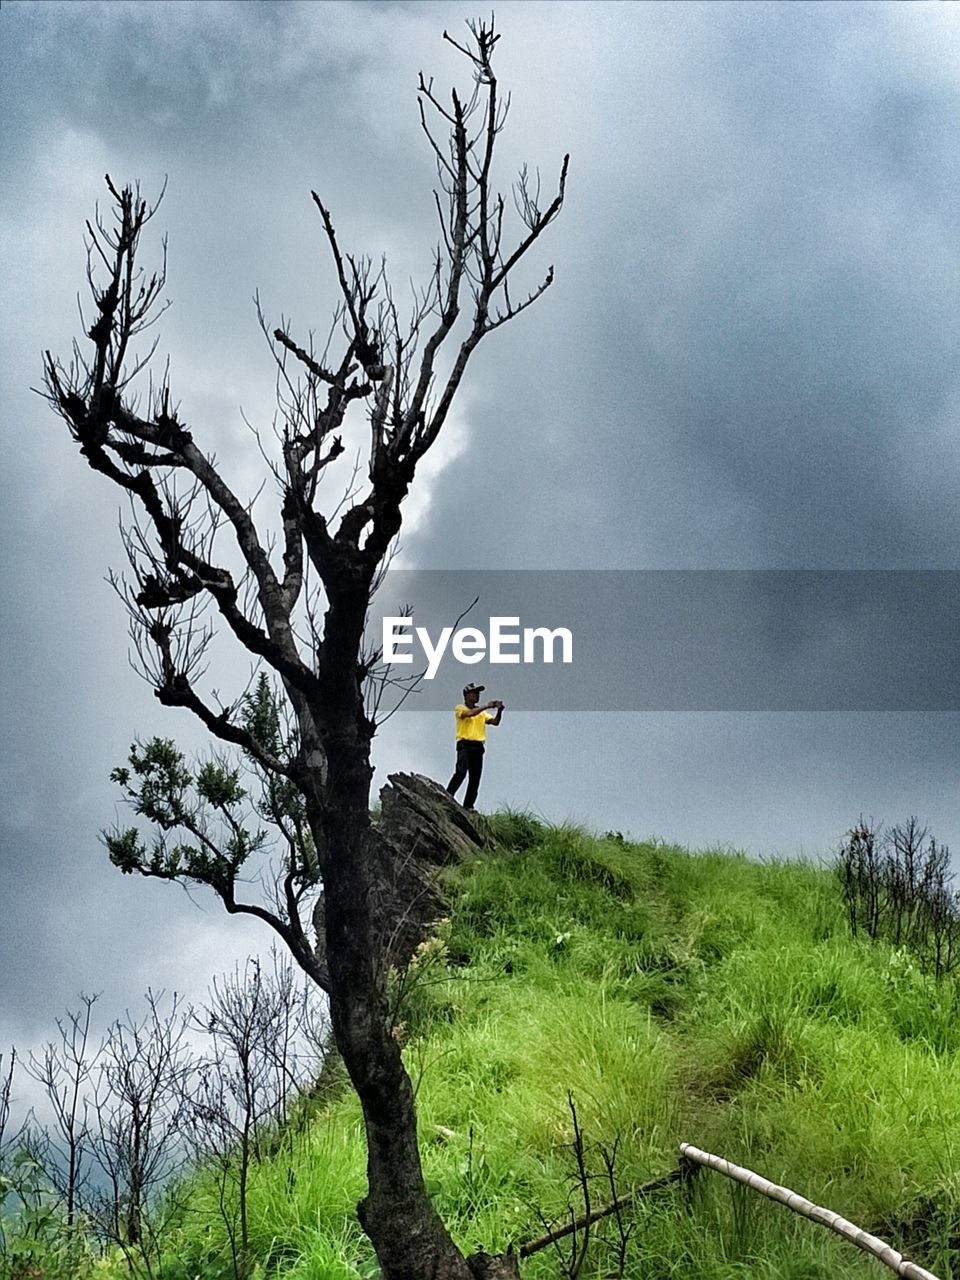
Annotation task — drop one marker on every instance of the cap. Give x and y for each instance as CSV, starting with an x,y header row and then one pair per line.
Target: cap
x,y
473,688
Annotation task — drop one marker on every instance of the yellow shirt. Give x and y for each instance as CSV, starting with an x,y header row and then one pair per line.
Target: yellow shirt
x,y
471,728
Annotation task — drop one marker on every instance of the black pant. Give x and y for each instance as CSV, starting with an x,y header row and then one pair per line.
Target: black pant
x,y
469,761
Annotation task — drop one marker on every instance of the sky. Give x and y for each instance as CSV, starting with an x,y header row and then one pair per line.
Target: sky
x,y
748,361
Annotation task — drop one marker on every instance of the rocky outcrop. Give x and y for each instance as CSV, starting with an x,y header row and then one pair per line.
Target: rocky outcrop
x,y
422,829
420,818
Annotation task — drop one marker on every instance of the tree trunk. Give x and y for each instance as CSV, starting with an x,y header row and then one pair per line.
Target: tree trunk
x,y
407,1233
405,1229
410,1240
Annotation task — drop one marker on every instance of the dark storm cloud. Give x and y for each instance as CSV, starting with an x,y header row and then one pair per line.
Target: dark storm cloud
x,y
748,359
179,74
761,330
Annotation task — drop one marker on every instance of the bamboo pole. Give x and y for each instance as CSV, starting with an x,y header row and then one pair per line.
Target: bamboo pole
x,y
883,1252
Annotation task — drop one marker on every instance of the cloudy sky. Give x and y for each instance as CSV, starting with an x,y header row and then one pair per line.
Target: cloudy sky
x,y
749,360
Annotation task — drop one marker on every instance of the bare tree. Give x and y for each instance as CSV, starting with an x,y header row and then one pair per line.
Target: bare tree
x,y
7,1146
28,1211
138,1105
64,1069
302,613
6,1091
896,890
256,1022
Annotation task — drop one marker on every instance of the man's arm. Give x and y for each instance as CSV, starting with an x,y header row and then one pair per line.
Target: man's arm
x,y
495,720
475,711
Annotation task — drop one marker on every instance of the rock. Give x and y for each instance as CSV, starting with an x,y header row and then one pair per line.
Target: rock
x,y
421,829
420,818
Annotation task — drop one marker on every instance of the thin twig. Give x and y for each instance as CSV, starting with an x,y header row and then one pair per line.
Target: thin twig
x,y
542,1242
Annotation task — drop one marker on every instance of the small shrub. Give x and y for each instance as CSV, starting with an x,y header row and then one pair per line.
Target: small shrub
x,y
899,890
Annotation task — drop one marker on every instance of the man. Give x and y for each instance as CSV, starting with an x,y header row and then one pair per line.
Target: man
x,y
472,721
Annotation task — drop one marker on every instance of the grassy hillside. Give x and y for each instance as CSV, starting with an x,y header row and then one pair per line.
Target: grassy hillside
x,y
676,997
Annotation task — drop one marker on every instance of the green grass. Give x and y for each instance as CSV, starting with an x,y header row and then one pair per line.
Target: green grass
x,y
677,997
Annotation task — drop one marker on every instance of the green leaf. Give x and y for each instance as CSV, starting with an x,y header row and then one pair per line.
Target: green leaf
x,y
219,786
